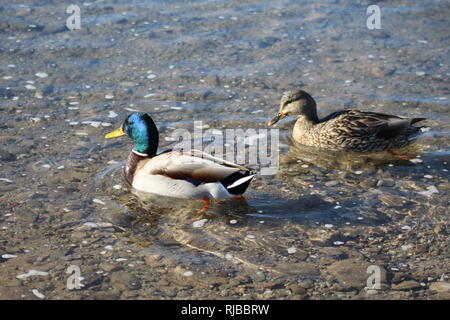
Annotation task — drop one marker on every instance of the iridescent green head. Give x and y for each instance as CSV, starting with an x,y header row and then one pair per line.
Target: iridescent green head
x,y
141,128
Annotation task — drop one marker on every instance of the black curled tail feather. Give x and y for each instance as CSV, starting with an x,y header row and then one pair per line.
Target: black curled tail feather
x,y
238,182
414,120
417,128
414,131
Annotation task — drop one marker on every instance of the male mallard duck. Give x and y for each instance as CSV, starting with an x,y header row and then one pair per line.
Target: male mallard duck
x,y
347,130
180,174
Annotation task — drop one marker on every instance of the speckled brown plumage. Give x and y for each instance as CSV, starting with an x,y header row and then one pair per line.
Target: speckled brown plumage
x,y
347,130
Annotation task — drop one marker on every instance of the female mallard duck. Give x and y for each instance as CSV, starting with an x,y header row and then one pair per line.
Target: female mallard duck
x,y
180,174
347,130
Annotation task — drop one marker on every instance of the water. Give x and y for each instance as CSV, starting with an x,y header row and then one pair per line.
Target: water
x,y
216,62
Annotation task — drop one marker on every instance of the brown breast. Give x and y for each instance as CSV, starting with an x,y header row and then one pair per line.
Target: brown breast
x,y
131,165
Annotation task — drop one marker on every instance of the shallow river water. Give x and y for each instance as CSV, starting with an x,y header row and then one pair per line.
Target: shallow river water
x,y
308,232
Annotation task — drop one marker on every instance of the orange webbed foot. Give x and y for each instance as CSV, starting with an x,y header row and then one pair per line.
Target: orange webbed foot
x,y
399,156
206,204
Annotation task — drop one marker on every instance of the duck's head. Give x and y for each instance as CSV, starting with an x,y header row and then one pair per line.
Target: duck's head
x,y
296,103
141,128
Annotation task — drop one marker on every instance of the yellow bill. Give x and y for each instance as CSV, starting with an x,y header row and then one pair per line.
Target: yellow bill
x,y
115,134
277,118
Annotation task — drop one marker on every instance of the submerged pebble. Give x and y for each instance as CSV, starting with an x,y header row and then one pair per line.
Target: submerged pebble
x,y
98,201
90,224
38,294
291,250
31,273
41,75
430,191
112,114
199,223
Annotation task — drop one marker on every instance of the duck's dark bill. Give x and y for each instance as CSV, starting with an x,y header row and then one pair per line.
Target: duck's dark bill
x,y
115,134
277,118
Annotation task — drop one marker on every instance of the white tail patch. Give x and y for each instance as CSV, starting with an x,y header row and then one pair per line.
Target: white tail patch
x,y
240,181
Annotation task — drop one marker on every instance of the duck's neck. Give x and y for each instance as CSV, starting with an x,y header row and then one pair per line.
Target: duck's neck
x,y
311,115
303,127
146,147
308,120
131,165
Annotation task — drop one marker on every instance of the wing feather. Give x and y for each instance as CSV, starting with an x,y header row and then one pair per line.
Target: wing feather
x,y
362,124
192,164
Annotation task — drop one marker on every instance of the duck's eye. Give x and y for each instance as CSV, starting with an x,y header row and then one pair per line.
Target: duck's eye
x,y
287,102
129,123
